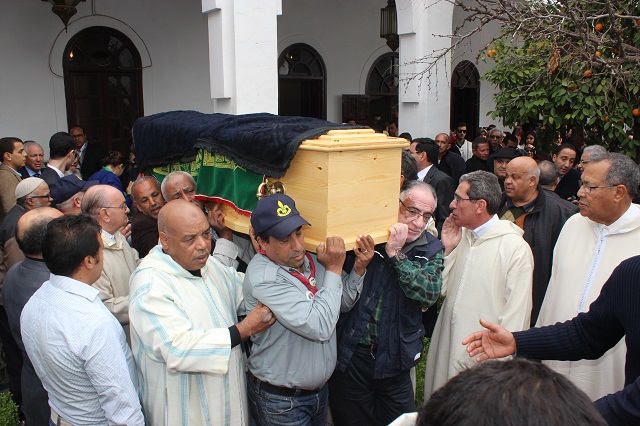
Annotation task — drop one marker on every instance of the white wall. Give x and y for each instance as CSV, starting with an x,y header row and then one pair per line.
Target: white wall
x,y
346,33
32,104
474,50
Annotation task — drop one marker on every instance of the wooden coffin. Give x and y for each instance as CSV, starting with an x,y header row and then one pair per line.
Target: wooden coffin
x,y
344,183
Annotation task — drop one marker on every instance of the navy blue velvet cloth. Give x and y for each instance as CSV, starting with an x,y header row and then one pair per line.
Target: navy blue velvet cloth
x,y
263,143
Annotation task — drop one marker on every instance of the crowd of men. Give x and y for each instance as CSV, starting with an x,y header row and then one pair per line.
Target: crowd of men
x,y
172,318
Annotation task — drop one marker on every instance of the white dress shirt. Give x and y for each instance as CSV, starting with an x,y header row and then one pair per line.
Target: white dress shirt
x,y
78,350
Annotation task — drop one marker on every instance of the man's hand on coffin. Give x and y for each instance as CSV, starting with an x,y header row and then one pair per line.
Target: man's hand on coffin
x,y
397,238
331,254
215,216
451,235
363,250
258,320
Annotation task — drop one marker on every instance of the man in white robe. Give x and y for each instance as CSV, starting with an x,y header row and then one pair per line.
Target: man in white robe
x,y
590,246
488,272
185,334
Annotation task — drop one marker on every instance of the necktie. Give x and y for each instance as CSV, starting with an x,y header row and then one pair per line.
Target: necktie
x,y
36,174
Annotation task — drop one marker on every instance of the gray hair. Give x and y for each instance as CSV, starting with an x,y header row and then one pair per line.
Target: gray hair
x,y
420,185
171,176
409,167
622,171
548,173
596,152
484,186
496,130
28,144
139,181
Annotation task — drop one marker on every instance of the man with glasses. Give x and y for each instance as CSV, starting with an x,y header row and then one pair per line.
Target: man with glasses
x,y
425,151
90,155
29,194
488,274
592,152
62,153
590,246
380,339
495,138
108,207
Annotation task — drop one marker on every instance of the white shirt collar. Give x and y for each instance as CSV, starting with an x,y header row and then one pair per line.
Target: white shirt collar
x,y
56,170
482,229
422,173
70,285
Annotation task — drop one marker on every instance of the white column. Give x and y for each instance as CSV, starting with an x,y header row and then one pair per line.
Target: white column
x,y
425,102
243,54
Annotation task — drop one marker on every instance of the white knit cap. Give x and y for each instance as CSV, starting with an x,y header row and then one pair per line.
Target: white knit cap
x,y
27,186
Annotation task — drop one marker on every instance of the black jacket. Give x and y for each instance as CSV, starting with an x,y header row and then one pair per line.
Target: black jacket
x,y
568,185
444,186
453,165
542,226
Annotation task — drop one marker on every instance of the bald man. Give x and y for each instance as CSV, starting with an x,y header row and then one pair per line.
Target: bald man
x,y
22,280
185,334
540,214
108,207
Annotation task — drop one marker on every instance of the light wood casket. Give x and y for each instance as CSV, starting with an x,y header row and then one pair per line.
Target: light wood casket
x,y
344,183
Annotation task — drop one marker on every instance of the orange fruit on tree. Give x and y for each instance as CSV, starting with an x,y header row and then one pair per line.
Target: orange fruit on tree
x,y
599,27
588,74
636,112
615,51
598,53
572,88
606,118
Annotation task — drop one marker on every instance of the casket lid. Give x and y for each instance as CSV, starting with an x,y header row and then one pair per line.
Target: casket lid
x,y
341,140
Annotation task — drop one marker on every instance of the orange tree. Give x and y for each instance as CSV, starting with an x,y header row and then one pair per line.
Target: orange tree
x,y
569,63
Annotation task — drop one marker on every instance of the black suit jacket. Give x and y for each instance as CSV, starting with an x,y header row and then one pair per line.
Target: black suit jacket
x,y
569,185
444,186
50,176
92,161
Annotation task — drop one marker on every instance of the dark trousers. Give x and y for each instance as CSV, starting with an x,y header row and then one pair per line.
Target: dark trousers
x,y
356,398
13,357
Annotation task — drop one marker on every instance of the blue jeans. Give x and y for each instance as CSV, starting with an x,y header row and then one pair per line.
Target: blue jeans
x,y
271,409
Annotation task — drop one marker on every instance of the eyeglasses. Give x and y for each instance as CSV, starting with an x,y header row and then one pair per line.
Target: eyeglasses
x,y
461,130
458,198
495,137
414,214
587,188
48,195
122,206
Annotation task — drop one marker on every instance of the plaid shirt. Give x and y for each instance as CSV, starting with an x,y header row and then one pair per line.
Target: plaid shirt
x,y
420,283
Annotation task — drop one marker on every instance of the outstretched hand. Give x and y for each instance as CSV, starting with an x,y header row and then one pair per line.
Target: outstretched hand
x,y
494,342
451,235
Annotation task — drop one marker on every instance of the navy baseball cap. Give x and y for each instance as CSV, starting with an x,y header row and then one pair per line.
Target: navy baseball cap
x,y
68,186
277,216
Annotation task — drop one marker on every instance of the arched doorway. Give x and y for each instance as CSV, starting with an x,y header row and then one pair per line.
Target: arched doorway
x,y
103,86
382,87
465,97
302,82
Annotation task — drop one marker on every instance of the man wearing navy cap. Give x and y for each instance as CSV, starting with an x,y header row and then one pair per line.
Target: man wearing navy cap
x,y
68,193
291,362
